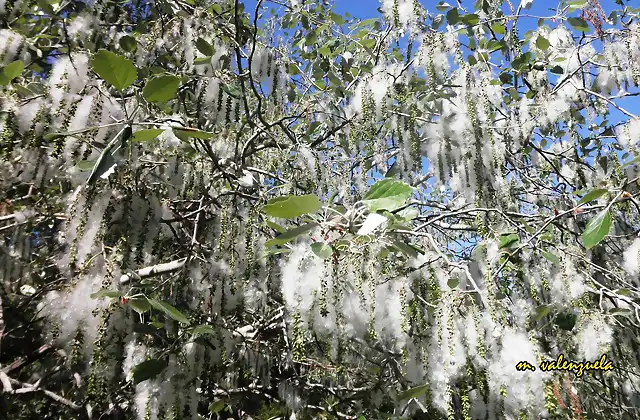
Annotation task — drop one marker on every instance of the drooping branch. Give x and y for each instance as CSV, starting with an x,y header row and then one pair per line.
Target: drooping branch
x,y
154,270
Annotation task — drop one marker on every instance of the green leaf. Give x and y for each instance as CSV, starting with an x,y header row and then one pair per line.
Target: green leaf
x,y
508,239
578,24
203,329
290,234
86,165
114,69
292,206
217,406
185,132
161,89
148,369
453,283
128,43
322,250
140,305
10,72
542,43
170,310
202,61
407,214
411,393
577,4
549,256
593,195
105,293
324,50
620,312
566,320
145,135
387,194
542,311
275,226
471,19
232,90
623,292
453,17
407,249
204,47
597,229
498,28
368,43
556,70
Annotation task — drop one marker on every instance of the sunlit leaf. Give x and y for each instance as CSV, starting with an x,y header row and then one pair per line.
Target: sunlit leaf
x,y
597,229
292,206
114,69
10,72
161,89
387,194
593,195
145,135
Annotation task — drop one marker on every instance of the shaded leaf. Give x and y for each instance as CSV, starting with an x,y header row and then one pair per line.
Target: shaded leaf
x,y
508,239
170,310
416,392
140,305
204,47
203,329
148,369
542,311
408,249
217,406
86,165
549,256
322,250
578,24
128,43
290,234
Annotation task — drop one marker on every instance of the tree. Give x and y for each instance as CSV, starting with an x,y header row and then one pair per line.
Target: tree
x,y
216,210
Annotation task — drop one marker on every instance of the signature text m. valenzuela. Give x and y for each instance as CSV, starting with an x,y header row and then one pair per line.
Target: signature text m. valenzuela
x,y
563,364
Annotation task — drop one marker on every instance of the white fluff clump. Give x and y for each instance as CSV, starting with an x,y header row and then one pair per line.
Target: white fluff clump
x,y
81,27
9,45
301,275
632,258
74,309
594,337
524,389
629,134
134,355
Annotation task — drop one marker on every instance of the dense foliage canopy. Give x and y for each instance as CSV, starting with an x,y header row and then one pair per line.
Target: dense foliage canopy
x,y
218,209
